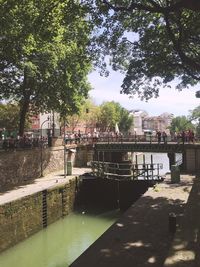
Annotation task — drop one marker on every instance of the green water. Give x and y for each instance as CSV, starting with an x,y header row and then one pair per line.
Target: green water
x,y
60,243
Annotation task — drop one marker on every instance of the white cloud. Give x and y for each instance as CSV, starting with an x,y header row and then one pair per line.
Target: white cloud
x,y
170,100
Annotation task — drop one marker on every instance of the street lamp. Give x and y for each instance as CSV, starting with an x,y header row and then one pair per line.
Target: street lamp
x,y
41,150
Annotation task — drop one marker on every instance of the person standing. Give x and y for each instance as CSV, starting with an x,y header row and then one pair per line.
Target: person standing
x,y
183,137
158,136
164,137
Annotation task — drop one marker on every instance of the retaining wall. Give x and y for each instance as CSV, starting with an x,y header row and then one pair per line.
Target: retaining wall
x,y
23,166
22,218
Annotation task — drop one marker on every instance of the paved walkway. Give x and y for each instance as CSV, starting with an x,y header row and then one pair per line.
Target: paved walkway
x,y
39,185
185,249
141,237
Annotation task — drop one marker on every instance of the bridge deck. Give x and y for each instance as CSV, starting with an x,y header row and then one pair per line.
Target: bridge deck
x,y
144,147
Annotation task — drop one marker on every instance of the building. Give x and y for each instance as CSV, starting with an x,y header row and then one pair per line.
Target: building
x,y
138,117
45,124
144,123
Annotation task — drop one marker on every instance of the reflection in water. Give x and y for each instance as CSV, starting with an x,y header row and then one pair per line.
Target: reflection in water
x,y
61,243
159,158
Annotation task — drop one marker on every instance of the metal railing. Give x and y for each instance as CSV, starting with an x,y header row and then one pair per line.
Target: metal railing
x,y
130,171
29,143
23,143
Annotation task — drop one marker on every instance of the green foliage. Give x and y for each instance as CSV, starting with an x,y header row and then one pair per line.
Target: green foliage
x,y
181,123
103,117
88,115
126,121
152,42
9,116
195,114
195,117
111,113
44,62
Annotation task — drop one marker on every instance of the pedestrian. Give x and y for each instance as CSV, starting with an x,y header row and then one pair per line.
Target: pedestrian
x,y
164,137
191,136
158,134
183,137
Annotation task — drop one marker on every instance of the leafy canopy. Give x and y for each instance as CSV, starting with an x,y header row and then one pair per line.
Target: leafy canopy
x,y
153,42
181,123
44,61
112,113
9,116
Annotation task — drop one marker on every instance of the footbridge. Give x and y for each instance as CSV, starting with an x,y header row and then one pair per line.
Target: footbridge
x,y
142,147
109,151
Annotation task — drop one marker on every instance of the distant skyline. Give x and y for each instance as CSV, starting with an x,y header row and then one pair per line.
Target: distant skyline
x,y
170,100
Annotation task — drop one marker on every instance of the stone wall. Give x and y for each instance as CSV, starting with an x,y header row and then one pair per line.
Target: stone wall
x,y
192,160
22,218
83,155
21,167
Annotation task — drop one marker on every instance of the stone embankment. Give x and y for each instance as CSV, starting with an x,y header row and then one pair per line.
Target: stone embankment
x,y
29,208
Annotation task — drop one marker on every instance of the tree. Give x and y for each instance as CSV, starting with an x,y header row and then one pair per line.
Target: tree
x,y
87,115
109,116
153,42
111,113
44,62
9,116
180,123
126,121
195,116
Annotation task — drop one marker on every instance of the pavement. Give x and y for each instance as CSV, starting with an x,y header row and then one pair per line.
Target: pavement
x,y
185,249
40,184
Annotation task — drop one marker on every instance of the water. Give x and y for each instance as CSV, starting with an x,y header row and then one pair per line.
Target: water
x,y
60,243
157,158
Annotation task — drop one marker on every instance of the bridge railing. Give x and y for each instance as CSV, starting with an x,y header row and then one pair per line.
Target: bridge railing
x,y
143,139
29,143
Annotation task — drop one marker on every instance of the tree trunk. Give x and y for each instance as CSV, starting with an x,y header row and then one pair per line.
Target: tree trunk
x,y
24,103
23,111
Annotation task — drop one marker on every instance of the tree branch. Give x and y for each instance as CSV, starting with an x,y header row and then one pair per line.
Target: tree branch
x,y
177,47
133,6
153,7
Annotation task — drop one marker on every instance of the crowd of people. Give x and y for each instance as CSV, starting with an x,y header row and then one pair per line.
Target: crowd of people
x,y
23,142
179,137
11,142
92,136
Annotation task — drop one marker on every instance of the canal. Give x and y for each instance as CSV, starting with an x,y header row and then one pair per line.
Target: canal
x,y
158,158
63,241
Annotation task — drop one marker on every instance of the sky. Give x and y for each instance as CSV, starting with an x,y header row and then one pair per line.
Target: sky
x,y
170,100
